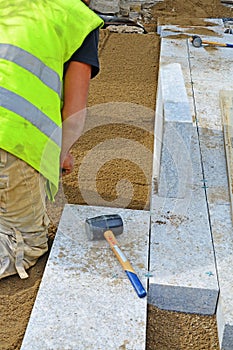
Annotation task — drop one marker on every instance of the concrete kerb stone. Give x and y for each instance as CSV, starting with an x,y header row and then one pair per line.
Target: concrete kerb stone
x,y
85,301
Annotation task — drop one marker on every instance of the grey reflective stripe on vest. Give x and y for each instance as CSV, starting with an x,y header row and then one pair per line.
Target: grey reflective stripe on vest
x,y
31,63
29,112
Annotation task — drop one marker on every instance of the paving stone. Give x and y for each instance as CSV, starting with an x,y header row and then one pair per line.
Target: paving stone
x,y
85,299
179,56
182,260
177,129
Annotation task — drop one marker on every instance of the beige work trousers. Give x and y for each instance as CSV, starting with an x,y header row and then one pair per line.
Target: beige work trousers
x,y
23,218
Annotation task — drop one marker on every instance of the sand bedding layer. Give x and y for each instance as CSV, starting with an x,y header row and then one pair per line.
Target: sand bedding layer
x,y
121,111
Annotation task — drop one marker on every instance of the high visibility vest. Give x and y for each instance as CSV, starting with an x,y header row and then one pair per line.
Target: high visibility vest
x,y
36,39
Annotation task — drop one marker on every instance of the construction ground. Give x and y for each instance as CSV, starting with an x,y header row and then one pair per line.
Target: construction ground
x,y
139,73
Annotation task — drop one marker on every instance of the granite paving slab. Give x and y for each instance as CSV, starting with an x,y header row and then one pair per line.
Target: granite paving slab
x,y
85,299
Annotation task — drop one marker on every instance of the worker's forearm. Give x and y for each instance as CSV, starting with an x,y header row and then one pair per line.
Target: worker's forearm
x,y
72,128
76,87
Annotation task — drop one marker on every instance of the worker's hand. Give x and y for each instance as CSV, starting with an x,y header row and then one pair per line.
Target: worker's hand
x,y
68,164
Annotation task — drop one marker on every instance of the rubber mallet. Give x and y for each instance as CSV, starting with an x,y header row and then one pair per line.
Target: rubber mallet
x,y
107,226
198,42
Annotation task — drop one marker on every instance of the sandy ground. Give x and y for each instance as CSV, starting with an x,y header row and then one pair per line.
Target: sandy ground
x,y
121,109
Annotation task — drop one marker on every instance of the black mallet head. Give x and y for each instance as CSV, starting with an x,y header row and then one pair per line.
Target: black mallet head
x,y
196,41
95,227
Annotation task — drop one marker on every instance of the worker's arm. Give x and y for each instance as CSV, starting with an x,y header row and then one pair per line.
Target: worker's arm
x,y
76,86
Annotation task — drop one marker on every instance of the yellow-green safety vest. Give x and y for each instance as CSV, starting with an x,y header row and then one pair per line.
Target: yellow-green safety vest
x,y
36,38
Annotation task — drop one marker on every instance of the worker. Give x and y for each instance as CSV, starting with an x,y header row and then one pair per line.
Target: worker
x,y
48,54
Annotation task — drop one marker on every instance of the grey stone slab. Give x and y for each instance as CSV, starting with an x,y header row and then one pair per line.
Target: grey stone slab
x,y
205,110
214,160
183,268
182,299
209,121
181,253
194,180
212,68
175,170
173,88
85,299
174,53
182,262
212,71
177,130
174,50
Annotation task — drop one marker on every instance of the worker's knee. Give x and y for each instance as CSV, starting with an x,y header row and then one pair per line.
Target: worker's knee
x,y
20,251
